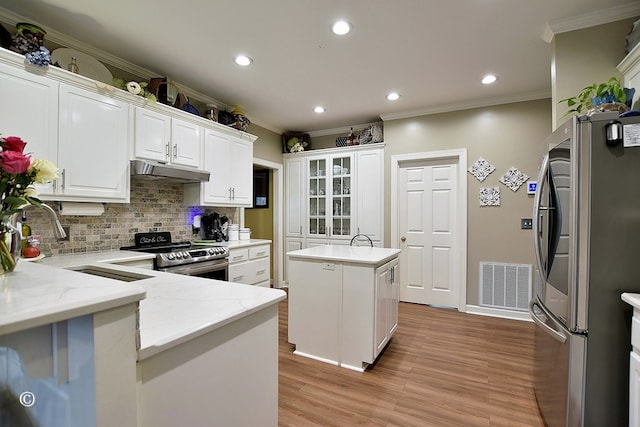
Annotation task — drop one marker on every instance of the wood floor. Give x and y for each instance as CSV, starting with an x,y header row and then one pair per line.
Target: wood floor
x,y
441,368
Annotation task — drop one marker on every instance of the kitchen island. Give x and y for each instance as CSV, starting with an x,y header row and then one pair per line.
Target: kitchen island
x,y
343,303
202,343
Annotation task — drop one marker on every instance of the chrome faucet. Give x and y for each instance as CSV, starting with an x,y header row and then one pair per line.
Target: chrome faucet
x,y
58,231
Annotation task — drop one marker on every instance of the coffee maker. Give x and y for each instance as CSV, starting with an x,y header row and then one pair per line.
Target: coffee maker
x,y
214,227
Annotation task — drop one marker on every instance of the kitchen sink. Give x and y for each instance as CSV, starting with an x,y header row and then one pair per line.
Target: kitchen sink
x,y
110,273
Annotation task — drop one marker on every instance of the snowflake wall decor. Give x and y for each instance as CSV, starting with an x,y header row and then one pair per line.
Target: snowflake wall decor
x,y
481,169
490,196
514,179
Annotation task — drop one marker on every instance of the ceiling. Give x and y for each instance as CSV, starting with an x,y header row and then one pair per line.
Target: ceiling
x,y
433,52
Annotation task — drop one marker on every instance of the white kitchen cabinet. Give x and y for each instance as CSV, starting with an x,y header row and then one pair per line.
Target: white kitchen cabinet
x,y
333,194
370,193
634,359
167,140
31,114
343,303
387,299
294,206
93,146
328,196
250,265
229,159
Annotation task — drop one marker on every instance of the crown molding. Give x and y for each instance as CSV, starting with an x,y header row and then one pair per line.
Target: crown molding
x,y
591,19
485,102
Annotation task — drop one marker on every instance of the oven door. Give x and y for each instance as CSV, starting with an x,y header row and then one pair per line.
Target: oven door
x,y
216,269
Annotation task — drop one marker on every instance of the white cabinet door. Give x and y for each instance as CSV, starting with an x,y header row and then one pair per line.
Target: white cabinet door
x,y
30,111
386,299
165,139
185,143
370,193
230,162
217,160
152,135
93,146
242,172
294,205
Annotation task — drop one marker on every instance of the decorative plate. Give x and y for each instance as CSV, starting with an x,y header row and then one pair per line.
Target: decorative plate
x,y
88,65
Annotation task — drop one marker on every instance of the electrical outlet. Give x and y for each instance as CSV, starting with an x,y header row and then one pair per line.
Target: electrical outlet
x,y
526,223
67,230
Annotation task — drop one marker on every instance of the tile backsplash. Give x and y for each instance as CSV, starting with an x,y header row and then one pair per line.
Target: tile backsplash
x,y
154,206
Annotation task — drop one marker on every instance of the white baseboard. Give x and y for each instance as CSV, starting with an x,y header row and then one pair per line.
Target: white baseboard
x,y
497,312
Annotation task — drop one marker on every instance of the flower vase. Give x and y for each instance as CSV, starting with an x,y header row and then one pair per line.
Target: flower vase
x,y
10,243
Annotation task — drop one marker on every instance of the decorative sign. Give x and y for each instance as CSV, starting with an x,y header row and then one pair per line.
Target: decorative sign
x,y
532,186
490,196
481,169
513,179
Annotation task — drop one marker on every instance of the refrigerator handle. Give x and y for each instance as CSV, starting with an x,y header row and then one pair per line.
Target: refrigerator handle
x,y
555,334
535,225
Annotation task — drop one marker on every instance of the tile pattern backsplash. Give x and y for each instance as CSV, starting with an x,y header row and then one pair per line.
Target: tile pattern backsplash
x,y
155,206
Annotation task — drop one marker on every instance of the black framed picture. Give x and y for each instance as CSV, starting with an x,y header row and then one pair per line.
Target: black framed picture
x,y
261,188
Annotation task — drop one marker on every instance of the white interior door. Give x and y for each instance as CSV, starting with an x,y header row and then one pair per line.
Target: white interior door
x,y
427,227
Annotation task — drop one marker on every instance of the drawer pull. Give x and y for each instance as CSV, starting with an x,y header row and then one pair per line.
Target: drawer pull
x,y
238,277
237,257
261,271
260,253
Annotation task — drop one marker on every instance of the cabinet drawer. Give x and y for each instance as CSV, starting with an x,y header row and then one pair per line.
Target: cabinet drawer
x,y
251,272
635,330
258,251
238,255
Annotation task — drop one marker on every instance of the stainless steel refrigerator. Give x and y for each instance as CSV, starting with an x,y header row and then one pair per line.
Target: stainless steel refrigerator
x,y
586,225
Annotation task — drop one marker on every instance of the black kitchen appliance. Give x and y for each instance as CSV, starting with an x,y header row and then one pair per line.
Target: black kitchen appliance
x,y
182,257
214,227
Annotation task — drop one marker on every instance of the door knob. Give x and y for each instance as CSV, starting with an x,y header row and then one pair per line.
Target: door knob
x,y
403,239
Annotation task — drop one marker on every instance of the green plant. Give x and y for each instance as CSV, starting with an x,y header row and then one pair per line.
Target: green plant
x,y
611,91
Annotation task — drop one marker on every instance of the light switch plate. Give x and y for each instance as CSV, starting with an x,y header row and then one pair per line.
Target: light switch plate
x,y
526,223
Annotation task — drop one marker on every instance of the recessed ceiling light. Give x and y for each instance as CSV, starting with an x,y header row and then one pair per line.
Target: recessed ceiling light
x,y
341,28
319,109
488,79
393,96
243,60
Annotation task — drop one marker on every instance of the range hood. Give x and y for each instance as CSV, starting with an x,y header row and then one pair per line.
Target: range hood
x,y
149,169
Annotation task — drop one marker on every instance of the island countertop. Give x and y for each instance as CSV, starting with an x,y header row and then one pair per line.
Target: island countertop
x,y
176,308
350,254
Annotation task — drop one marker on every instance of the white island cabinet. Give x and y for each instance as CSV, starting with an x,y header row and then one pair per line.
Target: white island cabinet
x,y
343,303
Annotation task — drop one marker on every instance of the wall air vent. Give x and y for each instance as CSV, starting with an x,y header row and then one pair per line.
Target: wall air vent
x,y
505,286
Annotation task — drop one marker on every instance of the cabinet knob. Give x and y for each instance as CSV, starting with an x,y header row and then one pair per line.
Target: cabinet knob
x,y
403,239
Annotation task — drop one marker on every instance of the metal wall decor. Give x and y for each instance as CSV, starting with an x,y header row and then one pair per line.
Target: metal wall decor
x,y
481,169
489,196
514,178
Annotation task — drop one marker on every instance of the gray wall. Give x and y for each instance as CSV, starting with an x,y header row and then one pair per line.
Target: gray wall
x,y
506,135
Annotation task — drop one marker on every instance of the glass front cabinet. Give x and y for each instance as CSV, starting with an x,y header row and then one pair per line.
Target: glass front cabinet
x,y
329,206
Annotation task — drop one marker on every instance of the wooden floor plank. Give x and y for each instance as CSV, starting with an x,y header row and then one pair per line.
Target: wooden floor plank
x,y
441,368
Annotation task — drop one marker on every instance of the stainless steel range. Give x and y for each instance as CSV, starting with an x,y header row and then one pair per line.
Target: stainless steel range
x,y
183,257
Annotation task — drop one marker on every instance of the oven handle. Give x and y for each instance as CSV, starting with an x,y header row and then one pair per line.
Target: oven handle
x,y
197,268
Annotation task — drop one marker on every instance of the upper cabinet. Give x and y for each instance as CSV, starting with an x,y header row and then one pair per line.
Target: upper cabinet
x,y
30,111
92,147
229,159
86,134
165,139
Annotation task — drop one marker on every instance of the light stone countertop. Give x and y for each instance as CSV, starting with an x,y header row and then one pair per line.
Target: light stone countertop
x,y
176,308
633,299
35,295
346,254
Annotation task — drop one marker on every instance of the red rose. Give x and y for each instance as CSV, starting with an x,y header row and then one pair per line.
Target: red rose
x,y
14,162
13,143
